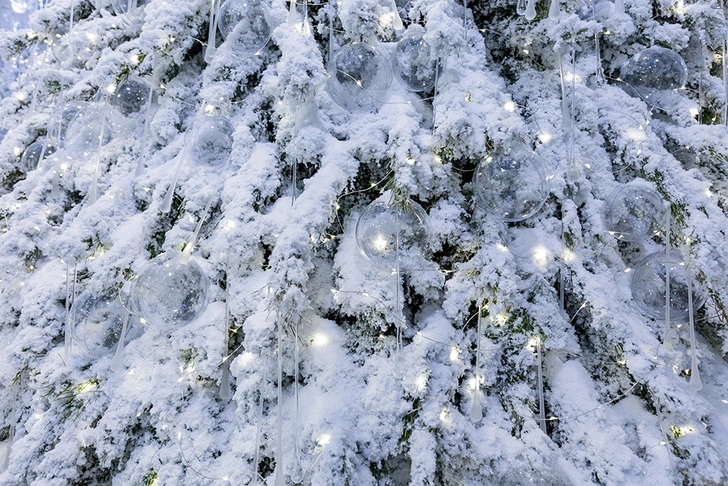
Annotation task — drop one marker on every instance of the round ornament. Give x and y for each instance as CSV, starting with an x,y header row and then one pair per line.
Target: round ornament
x,y
131,96
393,236
359,78
34,154
89,130
99,319
245,25
413,62
652,72
634,213
61,119
511,185
648,286
130,11
168,293
211,140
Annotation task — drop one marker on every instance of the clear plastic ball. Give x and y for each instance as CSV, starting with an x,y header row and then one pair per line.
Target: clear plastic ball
x,y
511,185
89,129
360,77
131,96
168,293
634,213
34,154
211,140
61,119
99,319
393,235
245,25
648,286
653,71
133,16
413,63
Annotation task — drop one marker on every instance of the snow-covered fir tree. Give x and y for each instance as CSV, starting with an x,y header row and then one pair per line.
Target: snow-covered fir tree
x,y
230,141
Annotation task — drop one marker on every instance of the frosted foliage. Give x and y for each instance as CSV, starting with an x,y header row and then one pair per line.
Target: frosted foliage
x,y
87,132
413,64
393,236
245,25
168,292
211,140
35,152
633,213
360,77
649,284
653,70
511,185
62,118
131,96
98,320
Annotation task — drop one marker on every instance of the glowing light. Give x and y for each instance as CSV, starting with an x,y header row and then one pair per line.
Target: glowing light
x,y
569,256
454,354
320,339
65,166
421,382
380,243
694,111
509,106
111,88
501,247
411,161
501,318
246,358
445,416
636,135
323,440
545,137
541,256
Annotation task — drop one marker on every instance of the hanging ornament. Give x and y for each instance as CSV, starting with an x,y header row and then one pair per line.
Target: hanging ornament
x,y
211,140
132,96
633,213
245,25
413,63
130,11
649,283
100,320
511,185
359,78
88,132
34,154
654,72
61,119
168,293
393,236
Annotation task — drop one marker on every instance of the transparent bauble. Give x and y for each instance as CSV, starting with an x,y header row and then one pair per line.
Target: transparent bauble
x,y
413,63
652,72
169,293
245,25
599,10
511,185
35,153
359,77
131,96
130,11
211,140
393,235
61,119
648,286
634,213
98,321
89,130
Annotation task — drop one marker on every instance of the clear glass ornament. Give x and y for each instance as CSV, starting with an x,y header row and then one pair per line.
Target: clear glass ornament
x,y
359,78
413,63
511,185
652,72
648,286
89,130
35,153
245,25
131,97
168,293
130,11
634,213
61,119
99,319
211,140
393,236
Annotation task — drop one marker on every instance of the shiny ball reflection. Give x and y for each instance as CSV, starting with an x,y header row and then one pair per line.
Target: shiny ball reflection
x,y
359,78
414,64
245,25
511,185
652,72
